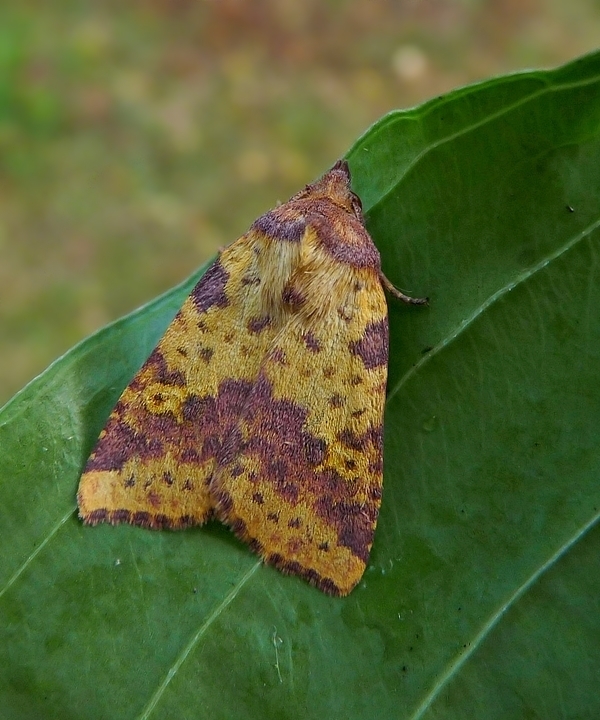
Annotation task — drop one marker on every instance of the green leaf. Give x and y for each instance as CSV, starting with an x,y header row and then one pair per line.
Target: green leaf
x,y
481,597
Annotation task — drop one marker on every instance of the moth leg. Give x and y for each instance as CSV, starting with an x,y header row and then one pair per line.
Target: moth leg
x,y
393,290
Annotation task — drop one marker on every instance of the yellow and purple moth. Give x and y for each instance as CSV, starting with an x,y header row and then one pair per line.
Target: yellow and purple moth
x,y
262,405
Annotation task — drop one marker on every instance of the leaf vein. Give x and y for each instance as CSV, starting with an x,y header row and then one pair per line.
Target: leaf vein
x,y
480,123
519,592
17,574
220,608
493,298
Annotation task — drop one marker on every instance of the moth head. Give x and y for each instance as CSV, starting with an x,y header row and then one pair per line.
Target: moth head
x,y
334,186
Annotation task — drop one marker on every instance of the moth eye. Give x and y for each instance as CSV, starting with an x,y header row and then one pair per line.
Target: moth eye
x,y
356,205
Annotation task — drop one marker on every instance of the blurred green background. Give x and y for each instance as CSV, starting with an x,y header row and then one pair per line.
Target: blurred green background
x,y
136,138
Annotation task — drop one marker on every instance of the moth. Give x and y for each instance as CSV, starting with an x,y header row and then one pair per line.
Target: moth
x,y
262,405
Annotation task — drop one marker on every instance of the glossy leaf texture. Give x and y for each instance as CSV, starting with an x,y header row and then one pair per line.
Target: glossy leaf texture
x,y
481,597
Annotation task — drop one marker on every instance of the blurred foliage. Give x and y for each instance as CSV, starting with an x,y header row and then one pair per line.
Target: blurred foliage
x,y
136,138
